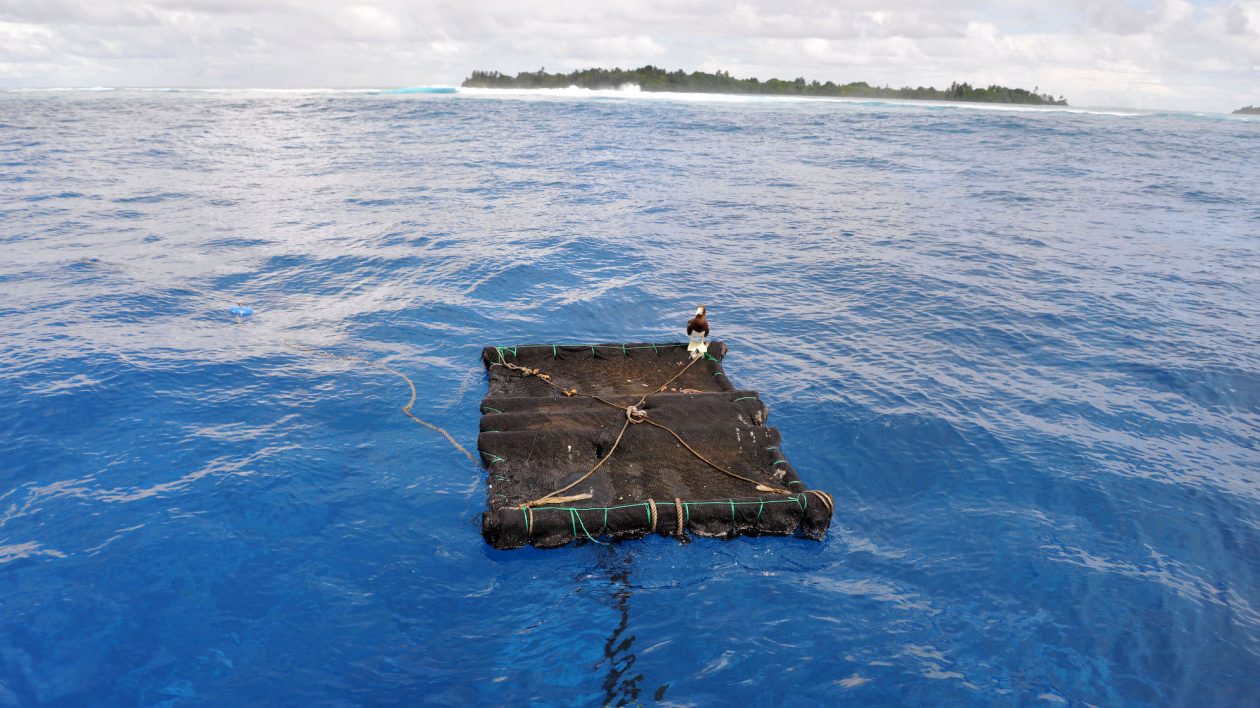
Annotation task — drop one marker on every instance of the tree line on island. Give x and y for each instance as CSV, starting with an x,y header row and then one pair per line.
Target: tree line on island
x,y
651,78
1249,110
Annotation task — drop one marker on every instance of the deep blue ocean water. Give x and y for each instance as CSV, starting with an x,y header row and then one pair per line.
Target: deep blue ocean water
x,y
1019,347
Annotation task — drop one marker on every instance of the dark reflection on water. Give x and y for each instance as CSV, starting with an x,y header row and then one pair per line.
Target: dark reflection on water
x,y
621,685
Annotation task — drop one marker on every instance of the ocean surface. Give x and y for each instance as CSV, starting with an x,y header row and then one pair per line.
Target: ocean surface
x,y
1021,347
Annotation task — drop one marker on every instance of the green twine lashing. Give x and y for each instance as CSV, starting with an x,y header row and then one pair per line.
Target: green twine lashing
x,y
574,515
576,520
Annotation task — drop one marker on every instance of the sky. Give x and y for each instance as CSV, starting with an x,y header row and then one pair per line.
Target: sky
x,y
1173,54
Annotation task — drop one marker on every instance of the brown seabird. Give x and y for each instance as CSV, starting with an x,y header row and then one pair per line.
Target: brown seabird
x,y
697,330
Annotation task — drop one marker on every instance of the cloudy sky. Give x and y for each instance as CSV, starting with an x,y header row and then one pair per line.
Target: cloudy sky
x,y
1202,55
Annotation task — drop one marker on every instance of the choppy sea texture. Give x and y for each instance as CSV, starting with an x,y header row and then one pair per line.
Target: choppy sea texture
x,y
1018,346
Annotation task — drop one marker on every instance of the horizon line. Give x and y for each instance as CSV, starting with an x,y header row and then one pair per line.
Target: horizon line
x,y
103,88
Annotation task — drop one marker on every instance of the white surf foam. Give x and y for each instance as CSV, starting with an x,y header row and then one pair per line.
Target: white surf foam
x,y
632,92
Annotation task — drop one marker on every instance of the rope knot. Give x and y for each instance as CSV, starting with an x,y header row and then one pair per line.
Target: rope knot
x,y
636,414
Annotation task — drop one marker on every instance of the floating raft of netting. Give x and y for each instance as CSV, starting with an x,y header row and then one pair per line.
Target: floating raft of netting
x,y
581,444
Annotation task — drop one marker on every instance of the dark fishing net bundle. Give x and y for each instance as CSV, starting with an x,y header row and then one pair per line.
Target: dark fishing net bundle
x,y
696,458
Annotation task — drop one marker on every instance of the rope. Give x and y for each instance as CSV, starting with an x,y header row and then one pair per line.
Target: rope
x,y
682,513
825,498
639,505
634,414
407,409
672,380
410,385
554,347
551,497
547,498
760,487
576,513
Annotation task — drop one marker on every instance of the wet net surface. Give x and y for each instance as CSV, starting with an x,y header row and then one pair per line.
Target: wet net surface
x,y
695,458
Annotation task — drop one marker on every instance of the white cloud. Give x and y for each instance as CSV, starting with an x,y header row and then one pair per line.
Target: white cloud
x,y
1170,53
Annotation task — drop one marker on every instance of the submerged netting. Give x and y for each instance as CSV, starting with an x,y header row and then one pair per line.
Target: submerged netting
x,y
582,445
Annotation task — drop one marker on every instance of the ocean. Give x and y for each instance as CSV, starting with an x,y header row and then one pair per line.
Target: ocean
x,y
1019,346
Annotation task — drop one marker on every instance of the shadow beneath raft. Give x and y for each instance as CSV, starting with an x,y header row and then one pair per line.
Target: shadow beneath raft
x,y
621,683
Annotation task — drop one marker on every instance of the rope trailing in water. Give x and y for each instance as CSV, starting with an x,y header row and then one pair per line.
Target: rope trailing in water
x,y
407,409
410,384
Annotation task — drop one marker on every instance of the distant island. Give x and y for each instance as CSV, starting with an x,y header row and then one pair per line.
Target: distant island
x,y
1249,110
651,78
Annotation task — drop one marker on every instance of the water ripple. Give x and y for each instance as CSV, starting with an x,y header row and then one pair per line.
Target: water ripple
x,y
1018,346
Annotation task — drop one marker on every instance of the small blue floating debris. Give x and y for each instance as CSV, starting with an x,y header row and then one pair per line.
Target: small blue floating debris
x,y
241,310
